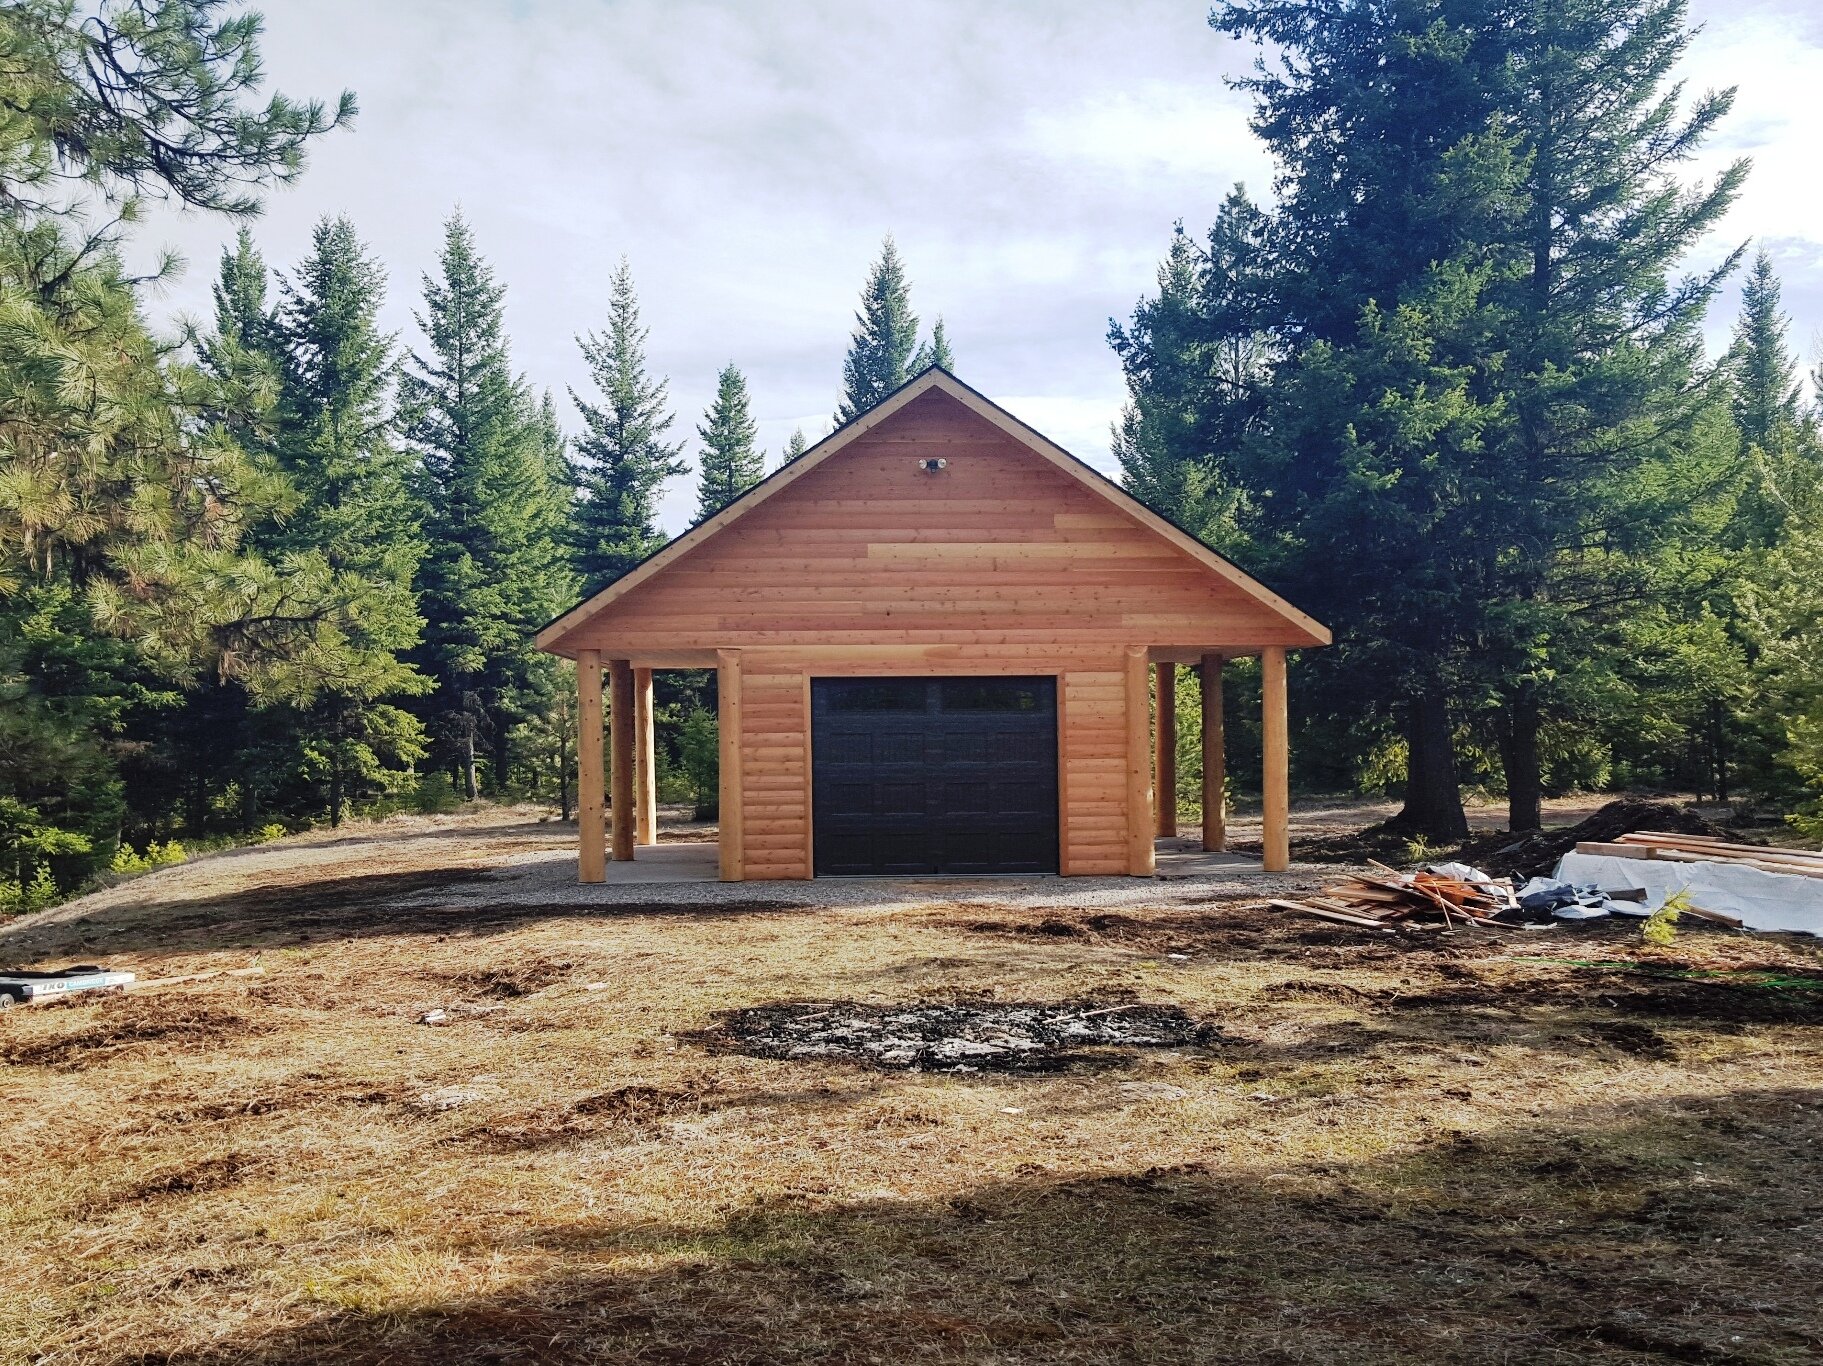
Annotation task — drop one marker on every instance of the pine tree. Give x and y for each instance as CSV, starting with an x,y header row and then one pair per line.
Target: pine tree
x,y
1484,385
730,463
496,508
357,526
1767,401
1195,360
794,447
625,459
885,337
934,352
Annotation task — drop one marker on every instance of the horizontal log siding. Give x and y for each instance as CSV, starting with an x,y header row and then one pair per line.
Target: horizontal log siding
x,y
775,772
998,548
1094,772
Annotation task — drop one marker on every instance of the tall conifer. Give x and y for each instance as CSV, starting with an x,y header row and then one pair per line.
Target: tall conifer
x,y
624,457
885,337
496,510
730,462
356,519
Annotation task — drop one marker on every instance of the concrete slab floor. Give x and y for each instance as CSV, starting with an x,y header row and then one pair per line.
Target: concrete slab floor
x,y
699,861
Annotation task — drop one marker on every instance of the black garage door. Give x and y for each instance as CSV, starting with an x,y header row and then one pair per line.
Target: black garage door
x,y
934,775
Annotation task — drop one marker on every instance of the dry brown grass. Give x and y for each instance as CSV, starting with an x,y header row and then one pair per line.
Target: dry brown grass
x,y
1389,1154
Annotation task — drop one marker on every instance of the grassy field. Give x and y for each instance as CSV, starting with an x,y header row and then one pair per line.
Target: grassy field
x,y
1550,1147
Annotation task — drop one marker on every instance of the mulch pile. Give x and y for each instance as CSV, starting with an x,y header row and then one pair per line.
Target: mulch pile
x,y
986,1037
1536,855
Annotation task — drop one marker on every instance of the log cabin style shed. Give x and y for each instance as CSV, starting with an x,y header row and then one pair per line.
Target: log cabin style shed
x,y
935,635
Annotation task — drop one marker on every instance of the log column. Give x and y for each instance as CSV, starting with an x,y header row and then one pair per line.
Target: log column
x,y
1141,857
1215,758
728,731
620,735
1275,730
1164,764
591,781
645,750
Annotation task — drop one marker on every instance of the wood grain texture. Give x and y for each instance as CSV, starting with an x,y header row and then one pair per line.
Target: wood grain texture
x,y
645,757
998,548
1275,731
591,778
1140,854
775,770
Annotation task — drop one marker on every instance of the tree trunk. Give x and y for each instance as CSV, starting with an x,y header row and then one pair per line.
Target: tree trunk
x,y
1433,802
1519,757
501,735
470,788
1718,747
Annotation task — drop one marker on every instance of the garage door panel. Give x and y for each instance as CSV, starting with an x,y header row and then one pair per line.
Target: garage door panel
x,y
944,775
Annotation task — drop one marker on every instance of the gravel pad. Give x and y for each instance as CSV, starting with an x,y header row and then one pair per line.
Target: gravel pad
x,y
993,1037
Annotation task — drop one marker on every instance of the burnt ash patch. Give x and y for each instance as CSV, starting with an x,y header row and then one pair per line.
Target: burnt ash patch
x,y
994,1036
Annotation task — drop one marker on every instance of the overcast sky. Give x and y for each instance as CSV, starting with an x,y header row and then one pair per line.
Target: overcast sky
x,y
1029,156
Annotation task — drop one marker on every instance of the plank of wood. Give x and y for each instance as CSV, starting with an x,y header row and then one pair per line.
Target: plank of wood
x,y
1360,920
1215,757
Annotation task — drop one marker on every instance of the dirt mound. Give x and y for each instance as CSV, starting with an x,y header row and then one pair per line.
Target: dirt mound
x,y
969,1037
1536,855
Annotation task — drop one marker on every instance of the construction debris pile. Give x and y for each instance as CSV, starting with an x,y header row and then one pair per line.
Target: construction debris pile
x,y
1671,847
1446,896
1437,898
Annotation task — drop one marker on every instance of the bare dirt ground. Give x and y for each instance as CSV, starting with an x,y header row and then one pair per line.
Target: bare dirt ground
x,y
1531,1147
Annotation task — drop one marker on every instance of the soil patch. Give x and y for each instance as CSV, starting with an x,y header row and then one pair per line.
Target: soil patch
x,y
964,1037
506,981
126,1024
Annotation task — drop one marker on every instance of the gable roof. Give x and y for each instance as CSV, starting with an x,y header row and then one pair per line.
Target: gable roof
x,y
939,379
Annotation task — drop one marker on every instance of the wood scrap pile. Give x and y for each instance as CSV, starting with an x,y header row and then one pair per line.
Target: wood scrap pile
x,y
1667,847
1387,899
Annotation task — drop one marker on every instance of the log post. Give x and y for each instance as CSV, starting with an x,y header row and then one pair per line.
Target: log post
x,y
645,752
728,731
1275,730
1215,758
620,735
1164,764
1141,857
591,782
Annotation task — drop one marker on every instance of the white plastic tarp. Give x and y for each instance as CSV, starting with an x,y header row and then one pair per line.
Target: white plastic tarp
x,y
1759,900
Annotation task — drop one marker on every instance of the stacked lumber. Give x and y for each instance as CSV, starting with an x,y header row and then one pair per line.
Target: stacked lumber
x,y
1386,899
1662,846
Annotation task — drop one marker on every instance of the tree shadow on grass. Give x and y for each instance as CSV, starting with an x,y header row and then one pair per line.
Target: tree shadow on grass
x,y
1674,1229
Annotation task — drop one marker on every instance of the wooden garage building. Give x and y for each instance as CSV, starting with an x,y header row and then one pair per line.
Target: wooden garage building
x,y
935,634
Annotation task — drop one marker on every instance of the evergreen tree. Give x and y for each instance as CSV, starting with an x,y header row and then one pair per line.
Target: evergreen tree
x,y
1483,381
731,463
1767,400
794,447
885,337
496,511
624,457
356,527
934,352
1195,360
